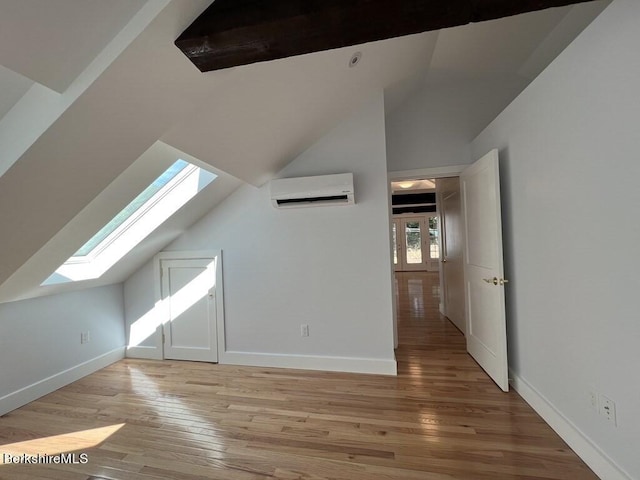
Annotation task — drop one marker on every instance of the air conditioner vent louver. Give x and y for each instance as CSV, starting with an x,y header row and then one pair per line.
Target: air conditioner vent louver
x,y
313,191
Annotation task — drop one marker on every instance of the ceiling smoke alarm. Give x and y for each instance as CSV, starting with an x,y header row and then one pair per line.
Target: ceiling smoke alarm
x,y
355,59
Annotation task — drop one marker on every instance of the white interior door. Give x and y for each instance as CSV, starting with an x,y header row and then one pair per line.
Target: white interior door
x,y
483,268
452,281
189,298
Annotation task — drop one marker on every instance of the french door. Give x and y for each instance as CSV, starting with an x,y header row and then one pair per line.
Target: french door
x,y
415,243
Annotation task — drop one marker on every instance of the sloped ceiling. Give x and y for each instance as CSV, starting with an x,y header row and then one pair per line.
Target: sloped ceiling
x,y
52,41
247,121
107,204
480,68
14,86
265,114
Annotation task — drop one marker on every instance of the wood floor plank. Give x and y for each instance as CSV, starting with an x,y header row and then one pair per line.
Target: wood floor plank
x,y
441,418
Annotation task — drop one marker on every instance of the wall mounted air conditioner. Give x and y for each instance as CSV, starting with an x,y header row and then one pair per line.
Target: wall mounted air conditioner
x,y
312,191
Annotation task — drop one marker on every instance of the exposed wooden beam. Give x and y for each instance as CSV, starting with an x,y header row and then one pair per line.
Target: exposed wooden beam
x,y
238,32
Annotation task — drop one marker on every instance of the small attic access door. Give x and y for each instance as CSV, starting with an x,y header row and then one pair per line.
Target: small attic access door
x,y
191,297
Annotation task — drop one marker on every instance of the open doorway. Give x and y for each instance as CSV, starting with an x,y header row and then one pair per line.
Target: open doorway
x,y
428,235
480,233
415,226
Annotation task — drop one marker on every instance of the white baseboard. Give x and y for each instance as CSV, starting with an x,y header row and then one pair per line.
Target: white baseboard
x,y
586,449
310,362
36,390
148,353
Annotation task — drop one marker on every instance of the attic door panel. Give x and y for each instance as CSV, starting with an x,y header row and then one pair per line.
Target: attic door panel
x,y
190,332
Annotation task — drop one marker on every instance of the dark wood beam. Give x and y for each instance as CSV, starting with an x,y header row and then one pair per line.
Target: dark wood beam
x,y
239,32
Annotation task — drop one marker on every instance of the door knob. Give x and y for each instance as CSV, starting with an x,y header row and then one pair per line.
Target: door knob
x,y
495,280
444,260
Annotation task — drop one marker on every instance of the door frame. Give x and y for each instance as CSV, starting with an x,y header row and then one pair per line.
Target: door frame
x,y
398,176
405,175
430,172
219,308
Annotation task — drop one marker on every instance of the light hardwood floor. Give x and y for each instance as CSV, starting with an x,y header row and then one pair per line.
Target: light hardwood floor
x,y
441,418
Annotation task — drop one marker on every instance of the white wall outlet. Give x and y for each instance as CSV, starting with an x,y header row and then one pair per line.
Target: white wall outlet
x,y
304,330
84,337
608,409
593,400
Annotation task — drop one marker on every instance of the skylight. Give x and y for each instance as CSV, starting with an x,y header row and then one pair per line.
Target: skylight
x,y
152,207
132,208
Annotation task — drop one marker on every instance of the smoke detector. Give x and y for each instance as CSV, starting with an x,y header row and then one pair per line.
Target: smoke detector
x,y
355,59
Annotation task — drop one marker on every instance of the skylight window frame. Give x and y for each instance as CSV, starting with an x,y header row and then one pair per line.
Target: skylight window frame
x,y
142,222
130,222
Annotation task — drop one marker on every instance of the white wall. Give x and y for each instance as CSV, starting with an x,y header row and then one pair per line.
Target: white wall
x,y
328,267
570,170
40,347
139,300
436,125
427,131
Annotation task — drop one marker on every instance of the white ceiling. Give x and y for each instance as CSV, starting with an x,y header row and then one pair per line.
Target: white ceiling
x,y
247,121
480,68
494,47
263,115
153,162
52,41
12,87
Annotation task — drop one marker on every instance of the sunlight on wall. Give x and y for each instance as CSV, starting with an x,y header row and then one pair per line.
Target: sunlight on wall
x,y
198,288
182,300
145,326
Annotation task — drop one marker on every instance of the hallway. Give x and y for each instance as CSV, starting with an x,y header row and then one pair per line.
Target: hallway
x,y
429,345
507,438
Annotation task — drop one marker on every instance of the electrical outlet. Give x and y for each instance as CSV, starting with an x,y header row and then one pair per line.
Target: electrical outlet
x,y
84,337
593,400
304,330
608,409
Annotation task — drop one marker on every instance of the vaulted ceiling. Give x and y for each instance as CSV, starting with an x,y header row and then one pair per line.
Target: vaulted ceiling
x,y
238,32
87,88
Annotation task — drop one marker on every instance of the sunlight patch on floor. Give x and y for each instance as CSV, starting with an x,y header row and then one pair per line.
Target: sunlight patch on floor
x,y
56,444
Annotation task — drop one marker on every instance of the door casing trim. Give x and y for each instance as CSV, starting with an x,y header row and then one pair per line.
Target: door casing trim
x,y
191,255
